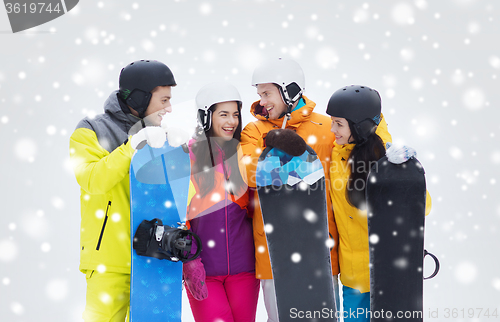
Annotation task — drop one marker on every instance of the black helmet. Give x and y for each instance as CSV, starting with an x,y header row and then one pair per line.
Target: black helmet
x,y
360,105
139,78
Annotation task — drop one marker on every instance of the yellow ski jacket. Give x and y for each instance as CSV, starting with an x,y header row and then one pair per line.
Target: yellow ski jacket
x,y
101,162
352,223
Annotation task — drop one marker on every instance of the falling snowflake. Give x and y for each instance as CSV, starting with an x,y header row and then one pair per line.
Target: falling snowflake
x,y
496,283
26,149
401,263
8,250
374,239
116,217
312,139
456,153
310,216
473,99
17,308
216,197
205,8
466,273
327,58
403,14
494,62
45,247
296,257
57,289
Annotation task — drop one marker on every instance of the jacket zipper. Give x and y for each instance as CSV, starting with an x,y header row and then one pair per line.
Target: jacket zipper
x,y
226,177
227,241
103,226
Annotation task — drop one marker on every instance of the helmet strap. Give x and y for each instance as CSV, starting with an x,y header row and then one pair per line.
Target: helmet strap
x,y
285,119
209,120
205,117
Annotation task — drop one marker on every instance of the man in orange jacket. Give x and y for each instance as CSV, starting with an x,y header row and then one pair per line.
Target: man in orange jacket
x,y
280,84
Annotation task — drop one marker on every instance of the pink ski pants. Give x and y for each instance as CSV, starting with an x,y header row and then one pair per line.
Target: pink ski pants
x,y
231,298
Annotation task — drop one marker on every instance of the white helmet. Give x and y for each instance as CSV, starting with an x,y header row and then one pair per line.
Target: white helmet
x,y
211,94
285,73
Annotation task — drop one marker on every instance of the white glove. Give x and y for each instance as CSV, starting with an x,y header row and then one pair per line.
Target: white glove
x,y
398,154
154,136
175,135
164,123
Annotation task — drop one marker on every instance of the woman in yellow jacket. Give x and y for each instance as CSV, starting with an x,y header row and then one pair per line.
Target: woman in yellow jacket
x,y
360,137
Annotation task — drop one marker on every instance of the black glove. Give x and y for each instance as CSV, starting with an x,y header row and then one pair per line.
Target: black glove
x,y
287,141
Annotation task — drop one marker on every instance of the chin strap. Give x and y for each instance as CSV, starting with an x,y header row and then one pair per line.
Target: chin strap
x,y
287,115
285,119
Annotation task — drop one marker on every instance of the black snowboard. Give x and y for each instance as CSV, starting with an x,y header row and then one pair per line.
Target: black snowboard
x,y
293,202
396,196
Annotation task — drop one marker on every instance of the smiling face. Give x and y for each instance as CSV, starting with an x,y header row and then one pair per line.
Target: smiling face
x,y
340,127
225,120
159,105
270,99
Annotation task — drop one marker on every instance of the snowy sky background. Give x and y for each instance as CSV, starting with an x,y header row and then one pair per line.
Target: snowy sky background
x,y
435,63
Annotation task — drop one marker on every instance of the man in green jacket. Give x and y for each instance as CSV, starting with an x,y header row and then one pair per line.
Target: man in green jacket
x,y
101,149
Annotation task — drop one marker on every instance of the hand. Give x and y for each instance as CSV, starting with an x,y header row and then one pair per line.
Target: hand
x,y
154,136
398,154
287,141
194,278
176,136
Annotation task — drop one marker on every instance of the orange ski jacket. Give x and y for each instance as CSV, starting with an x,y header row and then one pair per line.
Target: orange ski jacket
x,y
314,128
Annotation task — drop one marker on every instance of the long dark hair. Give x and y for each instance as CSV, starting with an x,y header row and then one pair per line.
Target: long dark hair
x,y
362,156
206,151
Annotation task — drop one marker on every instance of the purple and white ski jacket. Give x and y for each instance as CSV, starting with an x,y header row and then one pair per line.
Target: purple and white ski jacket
x,y
223,225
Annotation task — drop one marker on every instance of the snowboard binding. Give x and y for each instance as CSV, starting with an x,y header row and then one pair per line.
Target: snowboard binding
x,y
153,239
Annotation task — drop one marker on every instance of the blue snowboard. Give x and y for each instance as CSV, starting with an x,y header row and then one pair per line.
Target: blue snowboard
x,y
292,197
159,184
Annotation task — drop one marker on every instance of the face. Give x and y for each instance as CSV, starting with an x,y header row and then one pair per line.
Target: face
x,y
270,99
340,127
159,105
225,120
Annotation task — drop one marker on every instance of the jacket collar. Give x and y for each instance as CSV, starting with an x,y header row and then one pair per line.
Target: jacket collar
x,y
343,150
113,106
298,116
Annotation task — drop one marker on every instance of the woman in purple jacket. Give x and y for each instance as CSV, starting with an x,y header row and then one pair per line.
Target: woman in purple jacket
x,y
218,214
